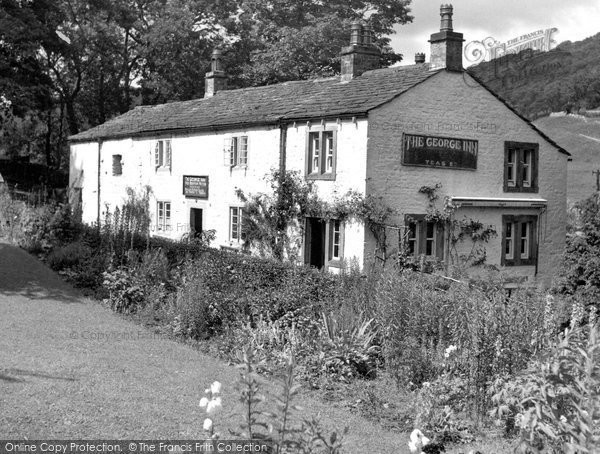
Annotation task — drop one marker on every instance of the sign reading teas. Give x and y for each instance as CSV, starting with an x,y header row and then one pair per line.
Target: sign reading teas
x,y
431,151
195,186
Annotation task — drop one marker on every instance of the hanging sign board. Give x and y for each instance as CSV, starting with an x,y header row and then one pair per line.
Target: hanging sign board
x,y
195,186
446,152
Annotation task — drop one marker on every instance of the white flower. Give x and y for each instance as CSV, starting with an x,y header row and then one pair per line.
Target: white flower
x,y
215,388
562,418
213,405
417,441
207,391
207,424
203,402
450,350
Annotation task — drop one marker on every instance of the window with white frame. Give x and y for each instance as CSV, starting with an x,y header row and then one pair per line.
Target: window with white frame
x,y
236,224
336,240
423,236
236,151
521,167
321,155
162,154
519,240
163,216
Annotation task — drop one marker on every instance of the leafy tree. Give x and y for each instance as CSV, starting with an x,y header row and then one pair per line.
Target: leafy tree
x,y
580,277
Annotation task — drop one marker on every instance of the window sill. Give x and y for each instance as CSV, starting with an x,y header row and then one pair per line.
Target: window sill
x,y
518,189
324,176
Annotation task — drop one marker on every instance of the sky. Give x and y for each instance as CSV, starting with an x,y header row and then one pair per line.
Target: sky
x,y
500,19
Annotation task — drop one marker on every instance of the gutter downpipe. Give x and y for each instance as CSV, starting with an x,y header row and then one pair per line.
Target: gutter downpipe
x,y
99,186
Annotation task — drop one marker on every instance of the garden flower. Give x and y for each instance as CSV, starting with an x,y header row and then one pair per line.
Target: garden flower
x,y
417,441
208,424
203,402
450,350
213,405
215,388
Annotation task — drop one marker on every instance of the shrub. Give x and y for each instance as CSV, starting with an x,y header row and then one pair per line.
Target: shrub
x,y
125,292
68,256
555,402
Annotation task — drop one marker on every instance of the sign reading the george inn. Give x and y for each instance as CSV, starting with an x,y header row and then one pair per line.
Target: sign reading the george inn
x,y
432,151
195,186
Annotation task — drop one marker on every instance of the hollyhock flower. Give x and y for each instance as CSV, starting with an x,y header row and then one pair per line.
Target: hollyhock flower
x,y
203,402
208,424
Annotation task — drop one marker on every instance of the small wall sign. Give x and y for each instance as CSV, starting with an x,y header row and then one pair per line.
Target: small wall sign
x,y
445,152
195,186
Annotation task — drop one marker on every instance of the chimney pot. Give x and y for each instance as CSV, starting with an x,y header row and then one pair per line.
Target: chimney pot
x,y
446,12
356,33
419,58
367,35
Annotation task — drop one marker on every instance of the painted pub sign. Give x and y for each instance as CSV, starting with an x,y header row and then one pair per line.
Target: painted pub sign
x,y
195,186
433,151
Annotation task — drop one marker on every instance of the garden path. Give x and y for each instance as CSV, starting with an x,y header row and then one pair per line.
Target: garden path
x,y
70,368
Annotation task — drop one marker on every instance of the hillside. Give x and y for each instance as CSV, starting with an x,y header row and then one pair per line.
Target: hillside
x,y
565,79
580,136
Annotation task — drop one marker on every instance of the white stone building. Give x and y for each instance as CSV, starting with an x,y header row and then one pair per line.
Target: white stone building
x,y
381,132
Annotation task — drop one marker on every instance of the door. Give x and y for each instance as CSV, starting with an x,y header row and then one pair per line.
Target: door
x,y
314,242
195,221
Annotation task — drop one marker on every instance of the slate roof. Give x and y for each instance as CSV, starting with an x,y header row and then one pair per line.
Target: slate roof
x,y
270,104
288,101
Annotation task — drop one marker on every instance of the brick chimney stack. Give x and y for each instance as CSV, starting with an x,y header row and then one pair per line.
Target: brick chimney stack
x,y
419,58
216,79
446,45
361,55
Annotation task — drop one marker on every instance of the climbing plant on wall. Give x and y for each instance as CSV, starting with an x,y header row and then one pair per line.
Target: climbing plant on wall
x,y
273,223
459,230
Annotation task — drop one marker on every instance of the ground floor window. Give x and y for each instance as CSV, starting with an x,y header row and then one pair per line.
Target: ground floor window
x,y
163,216
519,246
423,236
323,242
236,231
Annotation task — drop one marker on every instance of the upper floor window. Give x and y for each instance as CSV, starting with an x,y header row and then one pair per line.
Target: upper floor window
x,y
424,237
520,167
321,155
236,151
519,235
162,154
117,165
236,220
163,216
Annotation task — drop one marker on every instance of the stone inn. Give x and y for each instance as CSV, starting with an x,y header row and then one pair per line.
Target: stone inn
x,y
385,133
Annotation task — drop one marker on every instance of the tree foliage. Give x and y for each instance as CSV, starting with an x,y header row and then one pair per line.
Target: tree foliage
x,y
67,65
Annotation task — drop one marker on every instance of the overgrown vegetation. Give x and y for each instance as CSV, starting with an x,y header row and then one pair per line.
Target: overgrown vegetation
x,y
462,354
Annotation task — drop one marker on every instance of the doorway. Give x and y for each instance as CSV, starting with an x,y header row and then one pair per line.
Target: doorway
x,y
195,221
314,242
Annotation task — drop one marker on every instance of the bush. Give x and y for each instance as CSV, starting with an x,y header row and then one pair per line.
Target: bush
x,y
555,402
68,256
